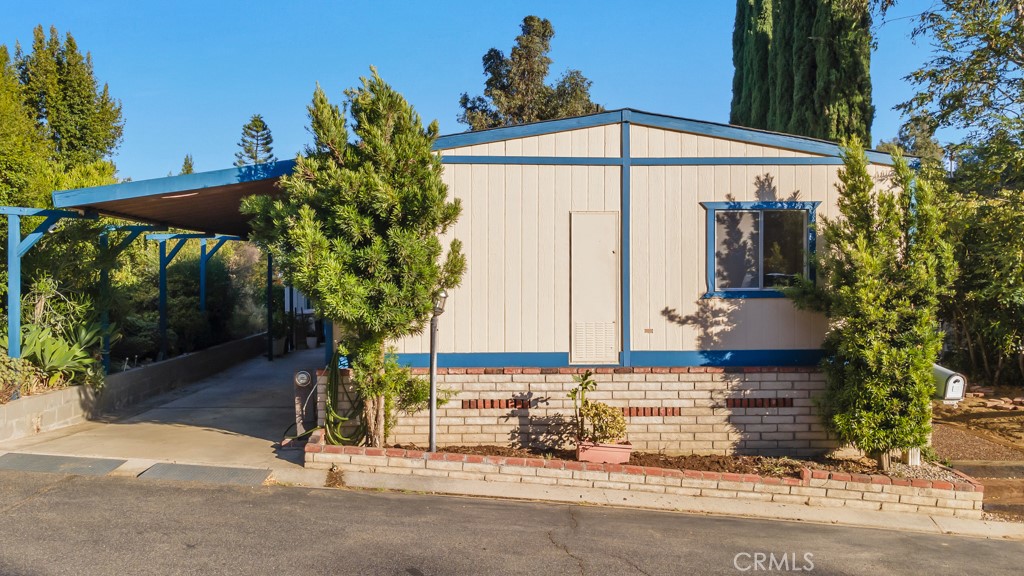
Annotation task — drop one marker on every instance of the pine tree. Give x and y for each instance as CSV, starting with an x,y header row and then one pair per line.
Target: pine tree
x,y
81,119
24,150
884,265
186,165
256,145
515,92
357,228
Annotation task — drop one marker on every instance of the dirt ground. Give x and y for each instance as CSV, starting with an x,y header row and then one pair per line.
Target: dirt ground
x,y
1001,427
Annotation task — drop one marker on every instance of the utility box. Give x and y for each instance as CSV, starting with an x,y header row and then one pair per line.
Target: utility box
x,y
949,385
304,386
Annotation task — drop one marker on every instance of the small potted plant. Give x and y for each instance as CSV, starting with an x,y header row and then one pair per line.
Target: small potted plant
x,y
600,428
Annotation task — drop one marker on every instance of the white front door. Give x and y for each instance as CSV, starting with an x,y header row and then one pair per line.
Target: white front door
x,y
594,287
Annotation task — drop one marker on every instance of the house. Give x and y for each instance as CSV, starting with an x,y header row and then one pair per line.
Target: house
x,y
648,248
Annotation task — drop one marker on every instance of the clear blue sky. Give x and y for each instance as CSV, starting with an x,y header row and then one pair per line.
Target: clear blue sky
x,y
189,74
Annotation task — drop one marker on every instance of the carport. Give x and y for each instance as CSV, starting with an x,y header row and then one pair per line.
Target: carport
x,y
207,204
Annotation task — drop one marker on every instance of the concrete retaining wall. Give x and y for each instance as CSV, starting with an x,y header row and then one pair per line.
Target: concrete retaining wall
x,y
35,414
704,410
613,483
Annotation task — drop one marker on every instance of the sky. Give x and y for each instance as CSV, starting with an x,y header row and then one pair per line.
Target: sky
x,y
190,74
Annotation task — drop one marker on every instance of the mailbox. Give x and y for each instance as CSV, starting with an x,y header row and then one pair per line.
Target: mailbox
x,y
949,386
304,387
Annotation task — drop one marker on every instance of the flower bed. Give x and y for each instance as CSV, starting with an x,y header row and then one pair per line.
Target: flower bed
x,y
813,487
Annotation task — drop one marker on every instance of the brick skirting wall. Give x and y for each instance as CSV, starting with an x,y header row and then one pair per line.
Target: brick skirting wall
x,y
705,410
814,488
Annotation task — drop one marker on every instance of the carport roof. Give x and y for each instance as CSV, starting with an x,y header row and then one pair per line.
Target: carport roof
x,y
204,202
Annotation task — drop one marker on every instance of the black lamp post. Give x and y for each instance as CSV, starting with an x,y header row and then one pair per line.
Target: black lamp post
x,y
439,301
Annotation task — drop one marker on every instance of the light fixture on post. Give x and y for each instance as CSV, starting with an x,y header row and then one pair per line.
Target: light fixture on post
x,y
439,302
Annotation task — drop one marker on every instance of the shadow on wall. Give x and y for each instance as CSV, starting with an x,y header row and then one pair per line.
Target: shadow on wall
x,y
552,431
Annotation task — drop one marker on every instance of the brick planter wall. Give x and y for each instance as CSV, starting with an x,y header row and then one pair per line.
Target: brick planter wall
x,y
767,411
815,488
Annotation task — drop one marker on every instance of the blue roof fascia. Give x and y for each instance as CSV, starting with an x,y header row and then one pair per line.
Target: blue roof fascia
x,y
526,130
171,184
751,136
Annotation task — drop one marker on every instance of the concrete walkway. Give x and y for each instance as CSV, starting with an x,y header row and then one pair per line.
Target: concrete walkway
x,y
234,418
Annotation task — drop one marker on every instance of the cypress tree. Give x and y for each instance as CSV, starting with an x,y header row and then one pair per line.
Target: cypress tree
x,y
256,145
803,67
739,111
758,64
781,73
842,94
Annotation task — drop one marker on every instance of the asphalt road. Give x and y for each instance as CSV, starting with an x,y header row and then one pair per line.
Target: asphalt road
x,y
52,524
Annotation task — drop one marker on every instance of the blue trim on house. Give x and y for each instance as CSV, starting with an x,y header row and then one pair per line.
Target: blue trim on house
x,y
525,130
488,359
738,161
639,357
532,160
709,230
701,127
727,357
171,184
625,356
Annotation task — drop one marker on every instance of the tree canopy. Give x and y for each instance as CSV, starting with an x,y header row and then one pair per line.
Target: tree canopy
x,y
256,145
515,91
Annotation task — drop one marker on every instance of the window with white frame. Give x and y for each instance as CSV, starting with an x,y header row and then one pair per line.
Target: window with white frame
x,y
757,246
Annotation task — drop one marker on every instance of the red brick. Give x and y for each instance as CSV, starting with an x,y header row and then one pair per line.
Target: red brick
x,y
474,370
333,449
879,479
617,468
842,477
420,371
716,476
862,478
673,473
554,464
474,459
515,461
714,369
452,457
637,470
604,370
549,370
660,370
654,471
355,450
697,369
314,447
732,477
435,456
374,451
623,371
695,474
792,481
396,452
751,478
570,465
900,482
964,487
496,460
771,480
513,371
456,370
493,370
566,370
940,485
678,370
321,372
535,462
920,483
641,370
751,370
594,466
820,474
531,370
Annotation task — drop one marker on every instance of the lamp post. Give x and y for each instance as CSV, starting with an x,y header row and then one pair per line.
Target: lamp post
x,y
439,301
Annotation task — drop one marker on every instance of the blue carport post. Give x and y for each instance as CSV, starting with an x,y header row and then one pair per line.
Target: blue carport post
x,y
165,259
204,257
16,249
133,233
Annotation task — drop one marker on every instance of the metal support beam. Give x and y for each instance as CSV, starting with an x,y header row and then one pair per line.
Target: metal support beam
x,y
133,233
204,257
18,247
165,259
270,307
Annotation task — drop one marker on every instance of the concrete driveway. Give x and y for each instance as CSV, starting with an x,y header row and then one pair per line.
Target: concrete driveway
x,y
234,418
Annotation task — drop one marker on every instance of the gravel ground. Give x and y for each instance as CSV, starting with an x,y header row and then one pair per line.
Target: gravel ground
x,y
955,443
924,472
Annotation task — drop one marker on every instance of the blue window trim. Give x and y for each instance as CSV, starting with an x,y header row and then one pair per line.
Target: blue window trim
x,y
625,219
642,358
712,207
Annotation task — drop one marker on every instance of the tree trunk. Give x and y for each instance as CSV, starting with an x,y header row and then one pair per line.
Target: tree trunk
x,y
884,459
373,417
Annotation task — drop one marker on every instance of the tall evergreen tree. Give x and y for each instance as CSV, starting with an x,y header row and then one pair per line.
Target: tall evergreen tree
x,y
256,145
805,67
358,228
186,165
81,119
884,266
515,92
739,112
